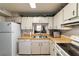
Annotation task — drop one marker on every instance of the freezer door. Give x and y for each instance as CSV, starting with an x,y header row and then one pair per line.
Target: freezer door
x,y
5,27
5,44
16,29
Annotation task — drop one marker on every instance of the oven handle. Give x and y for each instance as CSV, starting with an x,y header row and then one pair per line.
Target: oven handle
x,y
57,51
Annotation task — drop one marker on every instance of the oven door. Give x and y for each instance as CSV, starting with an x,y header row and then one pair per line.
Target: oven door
x,y
58,53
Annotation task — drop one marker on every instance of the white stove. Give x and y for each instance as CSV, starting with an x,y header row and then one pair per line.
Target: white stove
x,y
69,49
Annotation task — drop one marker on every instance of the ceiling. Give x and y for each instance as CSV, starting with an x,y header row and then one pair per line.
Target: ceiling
x,y
42,9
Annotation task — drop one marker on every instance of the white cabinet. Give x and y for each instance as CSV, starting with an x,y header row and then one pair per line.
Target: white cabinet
x,y
60,19
40,19
70,11
14,19
36,47
55,21
18,19
78,9
36,20
26,23
45,47
24,47
29,23
43,19
52,48
50,23
40,47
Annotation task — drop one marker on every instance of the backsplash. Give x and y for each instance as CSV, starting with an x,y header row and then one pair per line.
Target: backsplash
x,y
27,31
73,31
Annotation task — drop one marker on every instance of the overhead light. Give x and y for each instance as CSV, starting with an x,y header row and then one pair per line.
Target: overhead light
x,y
32,5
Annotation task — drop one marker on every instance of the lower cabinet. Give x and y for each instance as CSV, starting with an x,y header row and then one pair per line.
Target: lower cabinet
x,y
40,47
52,48
24,47
45,48
34,47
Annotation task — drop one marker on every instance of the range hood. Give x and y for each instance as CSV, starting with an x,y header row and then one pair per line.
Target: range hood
x,y
71,22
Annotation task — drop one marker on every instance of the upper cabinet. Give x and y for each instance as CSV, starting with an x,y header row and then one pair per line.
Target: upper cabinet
x,y
58,20
55,21
26,23
78,9
14,19
50,22
36,19
40,19
71,14
70,11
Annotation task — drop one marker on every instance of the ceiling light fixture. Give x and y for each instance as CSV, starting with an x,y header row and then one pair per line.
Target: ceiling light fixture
x,y
32,5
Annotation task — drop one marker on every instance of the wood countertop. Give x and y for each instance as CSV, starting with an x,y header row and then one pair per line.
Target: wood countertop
x,y
62,39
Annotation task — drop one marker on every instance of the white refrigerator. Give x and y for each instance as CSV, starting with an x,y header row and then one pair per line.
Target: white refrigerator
x,y
9,33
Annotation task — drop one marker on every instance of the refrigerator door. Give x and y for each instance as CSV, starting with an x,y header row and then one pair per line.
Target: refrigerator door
x,y
5,27
15,28
5,44
15,35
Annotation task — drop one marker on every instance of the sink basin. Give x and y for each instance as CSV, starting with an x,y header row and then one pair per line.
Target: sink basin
x,y
39,36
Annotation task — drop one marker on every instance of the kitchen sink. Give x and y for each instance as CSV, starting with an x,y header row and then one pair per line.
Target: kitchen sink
x,y
39,36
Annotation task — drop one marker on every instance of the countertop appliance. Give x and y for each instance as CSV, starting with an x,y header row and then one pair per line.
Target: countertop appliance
x,y
69,49
55,33
9,32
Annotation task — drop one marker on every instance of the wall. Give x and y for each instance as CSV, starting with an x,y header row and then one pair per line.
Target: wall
x,y
2,18
73,31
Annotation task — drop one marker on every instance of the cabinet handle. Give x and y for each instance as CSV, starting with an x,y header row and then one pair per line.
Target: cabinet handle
x,y
73,12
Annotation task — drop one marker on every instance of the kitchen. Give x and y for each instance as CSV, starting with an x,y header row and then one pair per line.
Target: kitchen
x,y
49,29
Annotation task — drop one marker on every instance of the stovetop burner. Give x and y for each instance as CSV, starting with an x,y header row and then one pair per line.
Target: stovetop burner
x,y
70,48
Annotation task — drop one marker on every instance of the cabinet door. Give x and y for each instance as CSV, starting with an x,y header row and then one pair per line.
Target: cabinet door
x,y
60,19
50,23
52,48
35,47
24,47
36,19
29,23
78,8
24,22
44,19
55,22
18,19
70,11
45,48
